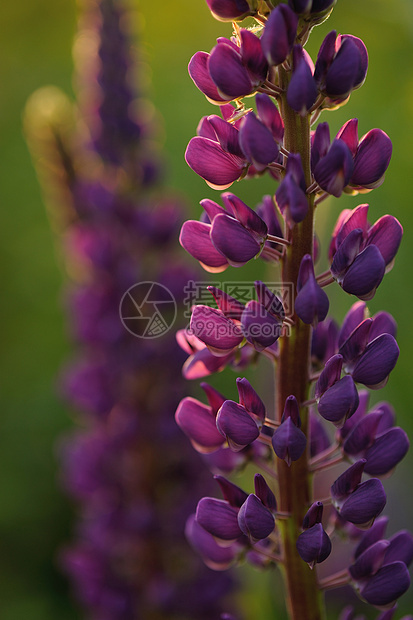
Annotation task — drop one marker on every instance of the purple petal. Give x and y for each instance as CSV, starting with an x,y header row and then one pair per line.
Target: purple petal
x,y
344,72
386,234
291,200
288,441
195,239
260,327
229,10
365,274
363,434
215,556
314,545
245,215
400,549
339,402
387,585
254,519
325,57
215,398
319,439
369,562
229,306
349,134
218,518
234,241
372,159
235,423
377,361
334,171
346,253
302,90
330,375
198,422
386,452
231,492
249,398
264,493
218,168
291,410
375,533
348,481
257,142
269,115
214,329
227,135
353,318
228,72
320,144
357,218
212,209
269,300
279,34
198,70
365,503
314,515
252,56
364,58
383,323
311,303
356,343
204,363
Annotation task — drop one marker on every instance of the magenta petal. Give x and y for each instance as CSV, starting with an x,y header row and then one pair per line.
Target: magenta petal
x,y
231,307
218,518
386,234
228,72
215,398
349,134
198,422
214,329
207,159
204,363
264,493
198,70
269,115
245,215
357,218
231,492
227,135
233,240
235,423
249,398
372,158
257,142
279,34
377,361
195,239
252,56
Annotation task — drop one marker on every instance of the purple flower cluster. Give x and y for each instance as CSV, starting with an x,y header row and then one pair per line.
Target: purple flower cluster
x,y
321,426
129,468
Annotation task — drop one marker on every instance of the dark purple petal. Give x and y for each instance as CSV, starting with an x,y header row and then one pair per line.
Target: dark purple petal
x,y
369,562
218,518
353,318
269,300
279,34
400,549
257,142
387,585
365,274
364,58
266,211
229,10
252,56
198,70
291,410
372,159
269,115
320,144
245,215
234,241
254,519
311,303
314,545
212,209
235,423
215,556
205,129
229,306
292,200
330,375
345,70
264,493
214,329
334,171
324,340
377,361
249,398
260,327
383,323
365,503
386,452
319,439
302,89
386,234
348,481
195,239
198,422
325,57
314,515
215,398
372,535
218,168
363,434
226,134
288,441
339,402
356,343
231,492
228,72
300,7
346,254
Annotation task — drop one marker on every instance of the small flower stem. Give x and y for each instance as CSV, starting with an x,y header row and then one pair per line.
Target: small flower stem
x,y
337,580
324,283
326,464
307,403
321,198
325,454
279,240
303,598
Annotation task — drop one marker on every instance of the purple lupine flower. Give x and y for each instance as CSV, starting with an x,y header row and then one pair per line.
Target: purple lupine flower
x,y
288,441
333,171
361,254
255,519
311,303
313,544
302,89
290,195
279,34
229,10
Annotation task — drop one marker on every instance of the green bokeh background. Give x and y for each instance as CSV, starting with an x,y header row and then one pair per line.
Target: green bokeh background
x,y
35,50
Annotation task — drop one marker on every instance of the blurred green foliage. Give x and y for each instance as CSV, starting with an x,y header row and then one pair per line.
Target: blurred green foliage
x,y
35,50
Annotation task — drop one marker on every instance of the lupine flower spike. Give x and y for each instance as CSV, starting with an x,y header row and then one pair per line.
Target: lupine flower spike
x,y
324,372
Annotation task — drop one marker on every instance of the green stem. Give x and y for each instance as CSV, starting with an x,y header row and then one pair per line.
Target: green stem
x,y
304,599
